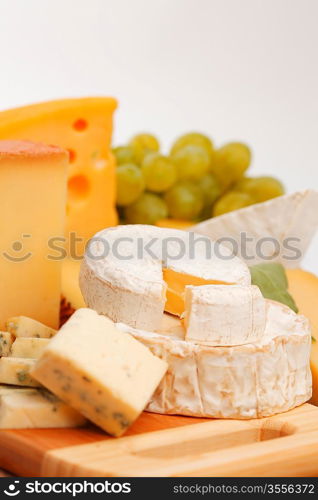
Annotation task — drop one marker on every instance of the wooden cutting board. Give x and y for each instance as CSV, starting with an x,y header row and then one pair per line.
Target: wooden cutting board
x,y
162,445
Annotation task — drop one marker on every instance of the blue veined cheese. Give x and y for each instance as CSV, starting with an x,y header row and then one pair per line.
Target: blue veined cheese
x,y
22,326
28,347
224,315
16,371
6,340
254,380
106,375
24,407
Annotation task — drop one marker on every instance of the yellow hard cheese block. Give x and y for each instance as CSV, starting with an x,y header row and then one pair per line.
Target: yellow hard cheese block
x,y
70,285
32,205
21,326
106,375
303,286
84,128
24,408
176,283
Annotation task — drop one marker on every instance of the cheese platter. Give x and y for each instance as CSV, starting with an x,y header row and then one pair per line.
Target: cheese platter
x,y
190,345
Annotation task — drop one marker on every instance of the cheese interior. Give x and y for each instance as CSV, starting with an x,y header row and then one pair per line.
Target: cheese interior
x,y
176,283
32,191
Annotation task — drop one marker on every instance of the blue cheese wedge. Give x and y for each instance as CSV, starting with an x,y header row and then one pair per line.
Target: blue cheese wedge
x,y
16,371
6,340
105,374
28,347
22,326
23,408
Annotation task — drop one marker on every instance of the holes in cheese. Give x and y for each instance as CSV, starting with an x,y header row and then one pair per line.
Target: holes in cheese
x,y
78,188
72,155
176,283
80,125
84,128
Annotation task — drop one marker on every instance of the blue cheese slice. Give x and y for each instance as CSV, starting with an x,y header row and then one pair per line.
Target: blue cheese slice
x,y
23,408
16,371
6,340
105,374
22,326
28,347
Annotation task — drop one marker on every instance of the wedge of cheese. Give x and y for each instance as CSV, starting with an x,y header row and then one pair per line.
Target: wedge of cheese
x,y
83,127
304,288
28,347
26,408
16,371
106,375
247,381
276,230
6,340
32,201
22,326
220,315
133,273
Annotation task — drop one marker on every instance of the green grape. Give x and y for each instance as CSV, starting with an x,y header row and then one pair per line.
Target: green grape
x,y
192,162
193,139
142,144
148,209
261,188
159,172
232,201
230,162
184,201
130,184
123,154
210,188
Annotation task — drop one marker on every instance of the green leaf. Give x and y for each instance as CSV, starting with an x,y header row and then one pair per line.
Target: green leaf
x,y
272,281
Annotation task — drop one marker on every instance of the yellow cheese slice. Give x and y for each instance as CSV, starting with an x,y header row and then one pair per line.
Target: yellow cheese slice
x,y
83,127
303,286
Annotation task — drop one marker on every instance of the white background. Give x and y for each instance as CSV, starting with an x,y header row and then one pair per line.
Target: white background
x,y
236,69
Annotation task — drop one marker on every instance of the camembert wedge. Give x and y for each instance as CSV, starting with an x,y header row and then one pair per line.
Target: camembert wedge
x,y
220,315
134,273
106,375
277,230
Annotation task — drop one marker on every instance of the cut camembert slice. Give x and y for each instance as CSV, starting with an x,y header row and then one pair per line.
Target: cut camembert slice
x,y
222,315
134,273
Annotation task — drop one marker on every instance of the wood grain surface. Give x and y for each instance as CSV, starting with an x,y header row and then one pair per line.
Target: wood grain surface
x,y
162,445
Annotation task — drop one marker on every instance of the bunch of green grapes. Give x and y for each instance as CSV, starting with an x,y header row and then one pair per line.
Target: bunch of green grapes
x,y
194,182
